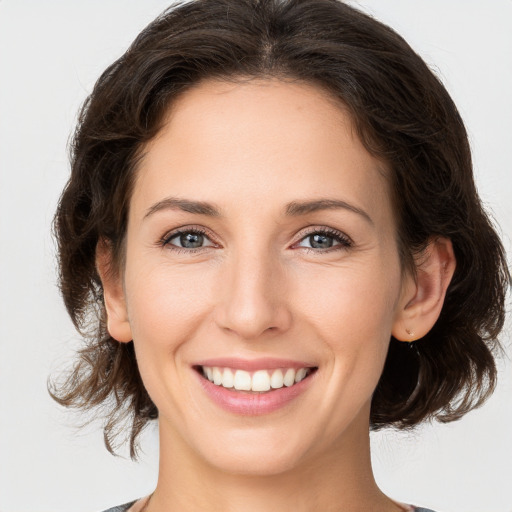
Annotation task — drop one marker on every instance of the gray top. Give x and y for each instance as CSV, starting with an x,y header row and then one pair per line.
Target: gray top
x,y
126,506
121,508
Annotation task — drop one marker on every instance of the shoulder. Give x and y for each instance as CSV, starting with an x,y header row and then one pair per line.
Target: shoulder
x,y
121,508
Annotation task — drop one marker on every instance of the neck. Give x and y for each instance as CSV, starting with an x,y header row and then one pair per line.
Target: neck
x,y
338,479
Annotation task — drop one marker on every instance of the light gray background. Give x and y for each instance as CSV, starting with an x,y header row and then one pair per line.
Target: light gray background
x,y
50,55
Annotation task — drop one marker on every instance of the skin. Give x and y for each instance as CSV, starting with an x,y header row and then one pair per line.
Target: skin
x,y
257,288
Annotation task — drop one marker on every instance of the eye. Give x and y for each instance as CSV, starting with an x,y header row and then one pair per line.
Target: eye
x,y
325,239
189,239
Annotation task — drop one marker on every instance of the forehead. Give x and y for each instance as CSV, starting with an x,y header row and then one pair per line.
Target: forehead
x,y
246,141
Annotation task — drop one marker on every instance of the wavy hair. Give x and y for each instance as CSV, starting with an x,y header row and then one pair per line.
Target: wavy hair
x,y
403,115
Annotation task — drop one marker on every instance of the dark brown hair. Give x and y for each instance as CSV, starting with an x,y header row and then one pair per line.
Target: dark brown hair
x,y
403,115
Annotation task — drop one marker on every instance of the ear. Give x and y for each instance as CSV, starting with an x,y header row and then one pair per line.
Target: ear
x,y
113,294
423,295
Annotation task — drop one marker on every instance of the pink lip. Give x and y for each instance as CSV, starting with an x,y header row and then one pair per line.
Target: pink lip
x,y
252,365
253,404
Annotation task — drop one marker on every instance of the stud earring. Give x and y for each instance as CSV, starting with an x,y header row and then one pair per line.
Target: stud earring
x,y
410,335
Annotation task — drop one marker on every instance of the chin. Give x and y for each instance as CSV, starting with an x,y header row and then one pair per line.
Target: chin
x,y
256,464
253,455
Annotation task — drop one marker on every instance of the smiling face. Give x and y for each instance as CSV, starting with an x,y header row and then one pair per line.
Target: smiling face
x,y
261,250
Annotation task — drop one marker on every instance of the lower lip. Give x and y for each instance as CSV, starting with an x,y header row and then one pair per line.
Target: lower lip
x,y
253,404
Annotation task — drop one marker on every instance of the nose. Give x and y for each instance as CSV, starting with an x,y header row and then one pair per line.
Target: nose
x,y
252,300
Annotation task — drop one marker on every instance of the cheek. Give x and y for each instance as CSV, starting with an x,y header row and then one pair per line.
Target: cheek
x,y
166,304
352,312
353,302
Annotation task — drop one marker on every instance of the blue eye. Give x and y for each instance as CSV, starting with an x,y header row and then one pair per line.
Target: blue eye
x,y
190,239
324,240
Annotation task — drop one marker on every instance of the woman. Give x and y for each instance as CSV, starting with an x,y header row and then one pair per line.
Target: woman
x,y
272,213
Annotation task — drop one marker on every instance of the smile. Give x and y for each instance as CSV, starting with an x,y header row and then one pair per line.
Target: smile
x,y
254,387
260,381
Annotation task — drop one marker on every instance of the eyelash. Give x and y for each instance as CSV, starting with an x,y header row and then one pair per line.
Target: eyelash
x,y
344,242
166,240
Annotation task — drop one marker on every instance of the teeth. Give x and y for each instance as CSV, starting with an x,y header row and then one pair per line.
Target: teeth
x,y
289,377
217,376
260,381
276,381
300,374
228,378
242,380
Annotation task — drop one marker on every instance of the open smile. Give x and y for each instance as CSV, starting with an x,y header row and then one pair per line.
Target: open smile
x,y
260,381
256,389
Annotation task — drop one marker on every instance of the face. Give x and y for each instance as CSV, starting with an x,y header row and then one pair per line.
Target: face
x,y
261,253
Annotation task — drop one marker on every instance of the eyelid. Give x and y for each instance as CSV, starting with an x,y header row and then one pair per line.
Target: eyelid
x,y
344,240
169,235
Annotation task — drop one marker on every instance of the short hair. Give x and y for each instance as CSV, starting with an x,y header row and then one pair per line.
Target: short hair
x,y
403,115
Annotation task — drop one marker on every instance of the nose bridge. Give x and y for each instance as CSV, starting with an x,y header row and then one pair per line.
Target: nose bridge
x,y
253,303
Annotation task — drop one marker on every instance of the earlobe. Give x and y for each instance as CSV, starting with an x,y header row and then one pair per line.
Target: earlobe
x,y
118,324
423,296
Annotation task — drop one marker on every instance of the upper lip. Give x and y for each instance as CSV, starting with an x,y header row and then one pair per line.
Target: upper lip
x,y
263,363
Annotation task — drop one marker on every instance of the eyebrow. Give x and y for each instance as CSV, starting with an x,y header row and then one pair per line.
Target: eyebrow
x,y
185,205
293,209
296,208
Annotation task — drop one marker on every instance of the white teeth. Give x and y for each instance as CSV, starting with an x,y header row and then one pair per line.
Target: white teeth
x,y
217,376
242,380
276,381
289,377
301,374
228,378
260,381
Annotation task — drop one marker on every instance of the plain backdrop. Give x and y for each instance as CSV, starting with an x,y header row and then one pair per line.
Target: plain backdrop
x,y
51,52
